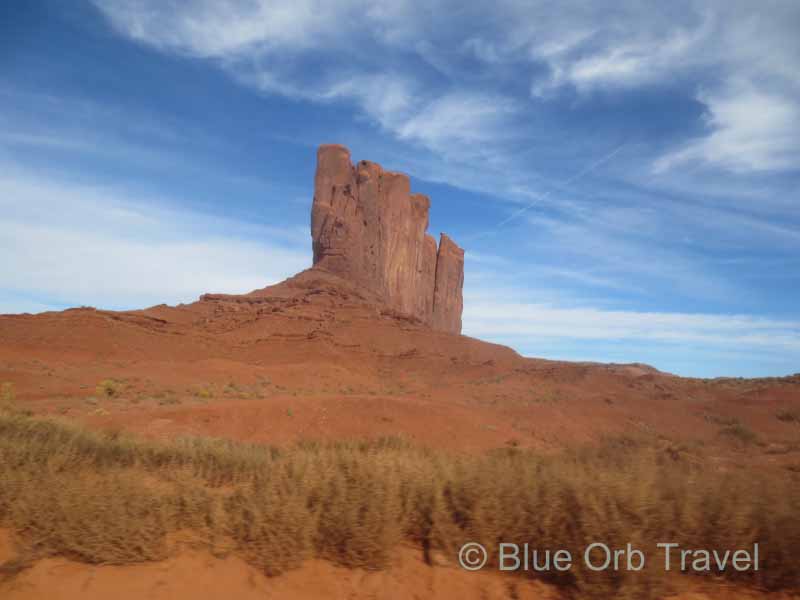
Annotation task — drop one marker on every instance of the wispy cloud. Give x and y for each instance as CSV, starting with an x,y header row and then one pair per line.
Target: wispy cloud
x,y
555,321
387,99
526,321
299,50
628,53
75,244
750,129
228,28
460,118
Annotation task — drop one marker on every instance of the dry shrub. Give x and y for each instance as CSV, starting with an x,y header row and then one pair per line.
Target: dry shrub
x,y
112,498
7,394
108,518
109,388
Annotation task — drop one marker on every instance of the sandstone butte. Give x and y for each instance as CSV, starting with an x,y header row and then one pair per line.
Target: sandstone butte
x,y
368,228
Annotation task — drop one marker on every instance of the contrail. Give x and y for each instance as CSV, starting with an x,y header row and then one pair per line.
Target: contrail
x,y
561,185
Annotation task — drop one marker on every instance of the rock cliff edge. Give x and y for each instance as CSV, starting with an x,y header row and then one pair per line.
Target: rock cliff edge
x,y
367,227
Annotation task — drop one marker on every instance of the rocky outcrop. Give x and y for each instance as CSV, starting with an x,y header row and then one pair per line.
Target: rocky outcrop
x,y
447,300
367,227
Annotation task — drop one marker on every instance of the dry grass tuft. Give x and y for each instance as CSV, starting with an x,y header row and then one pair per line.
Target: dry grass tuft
x,y
110,498
108,388
740,433
7,394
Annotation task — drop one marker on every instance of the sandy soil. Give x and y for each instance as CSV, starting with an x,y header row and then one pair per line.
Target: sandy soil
x,y
315,358
201,576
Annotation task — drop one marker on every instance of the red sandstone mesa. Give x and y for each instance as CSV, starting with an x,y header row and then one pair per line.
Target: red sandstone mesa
x,y
369,228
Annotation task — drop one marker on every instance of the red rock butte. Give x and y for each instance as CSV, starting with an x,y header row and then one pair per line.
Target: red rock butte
x,y
367,227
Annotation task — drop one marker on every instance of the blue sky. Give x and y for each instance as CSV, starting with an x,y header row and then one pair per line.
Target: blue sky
x,y
623,177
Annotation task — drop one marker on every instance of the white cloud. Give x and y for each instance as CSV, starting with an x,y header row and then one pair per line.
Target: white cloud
x,y
459,125
264,43
226,28
628,58
387,99
751,129
747,58
75,244
459,118
521,322
299,49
